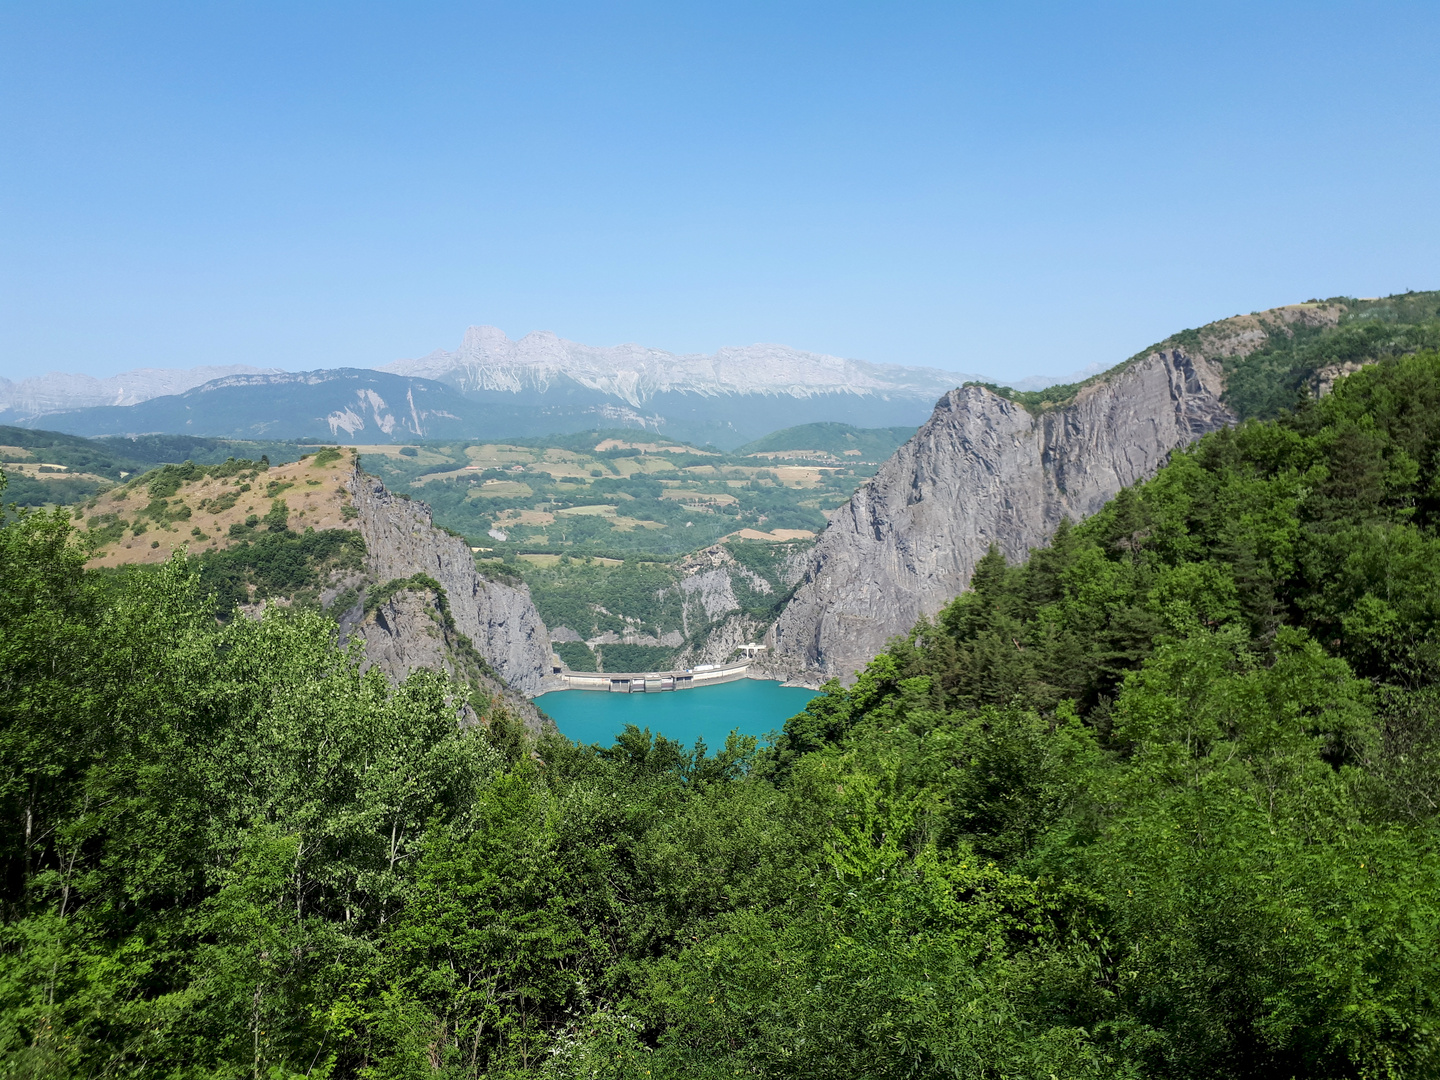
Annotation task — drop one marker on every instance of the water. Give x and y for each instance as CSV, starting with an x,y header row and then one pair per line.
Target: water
x,y
751,706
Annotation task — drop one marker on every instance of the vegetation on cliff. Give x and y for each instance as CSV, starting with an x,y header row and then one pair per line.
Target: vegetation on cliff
x,y
1161,802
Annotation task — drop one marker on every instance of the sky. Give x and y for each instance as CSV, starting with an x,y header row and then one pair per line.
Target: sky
x,y
1006,189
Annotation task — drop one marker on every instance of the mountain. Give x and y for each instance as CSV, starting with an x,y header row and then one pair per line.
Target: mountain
x,y
58,392
983,471
359,405
319,532
997,466
724,398
489,362
494,387
352,404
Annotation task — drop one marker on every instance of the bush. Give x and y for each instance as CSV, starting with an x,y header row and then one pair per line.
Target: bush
x,y
576,656
636,657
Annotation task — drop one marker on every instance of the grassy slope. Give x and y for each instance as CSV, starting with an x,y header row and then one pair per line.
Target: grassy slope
x,y
1273,358
832,440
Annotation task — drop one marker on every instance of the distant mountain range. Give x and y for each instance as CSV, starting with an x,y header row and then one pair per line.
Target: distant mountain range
x,y
494,387
58,392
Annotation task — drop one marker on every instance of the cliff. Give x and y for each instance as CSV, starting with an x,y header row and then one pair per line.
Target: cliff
x,y
410,629
499,620
982,470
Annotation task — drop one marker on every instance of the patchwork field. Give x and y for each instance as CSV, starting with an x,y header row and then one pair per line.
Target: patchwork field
x,y
609,494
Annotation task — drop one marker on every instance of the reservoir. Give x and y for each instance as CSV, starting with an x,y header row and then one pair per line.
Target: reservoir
x,y
751,706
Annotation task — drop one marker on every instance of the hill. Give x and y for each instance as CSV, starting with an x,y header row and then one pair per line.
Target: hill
x,y
50,467
1157,800
831,441
999,466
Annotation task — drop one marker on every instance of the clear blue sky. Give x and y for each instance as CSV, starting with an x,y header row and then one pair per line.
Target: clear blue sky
x,y
1003,188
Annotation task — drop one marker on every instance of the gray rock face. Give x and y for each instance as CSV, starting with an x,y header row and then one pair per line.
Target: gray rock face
x,y
500,620
407,633
713,618
983,470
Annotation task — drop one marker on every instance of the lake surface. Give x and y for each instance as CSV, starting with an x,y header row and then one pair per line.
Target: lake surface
x,y
750,706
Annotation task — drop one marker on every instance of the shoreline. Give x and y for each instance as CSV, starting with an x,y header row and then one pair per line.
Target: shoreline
x,y
551,685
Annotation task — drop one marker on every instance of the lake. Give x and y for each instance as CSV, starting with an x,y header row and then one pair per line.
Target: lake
x,y
751,706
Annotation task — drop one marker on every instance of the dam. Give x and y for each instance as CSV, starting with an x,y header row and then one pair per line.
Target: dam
x,y
648,682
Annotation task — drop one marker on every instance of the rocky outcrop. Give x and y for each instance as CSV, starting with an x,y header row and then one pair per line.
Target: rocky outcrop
x,y
499,620
982,471
715,594
409,631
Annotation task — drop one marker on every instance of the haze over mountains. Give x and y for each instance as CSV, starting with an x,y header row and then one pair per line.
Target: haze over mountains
x,y
57,392
492,386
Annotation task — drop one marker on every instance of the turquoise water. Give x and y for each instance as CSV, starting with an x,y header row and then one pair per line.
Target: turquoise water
x,y
751,706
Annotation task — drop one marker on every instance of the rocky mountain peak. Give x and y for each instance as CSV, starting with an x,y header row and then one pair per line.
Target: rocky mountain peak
x,y
983,470
487,360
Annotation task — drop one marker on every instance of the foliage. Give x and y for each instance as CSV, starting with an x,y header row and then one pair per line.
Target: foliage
x,y
1036,401
869,444
576,655
160,449
75,453
617,657
378,597
1271,379
1159,802
278,563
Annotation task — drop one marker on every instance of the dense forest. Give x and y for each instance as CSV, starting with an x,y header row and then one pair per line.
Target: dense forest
x,y
1159,802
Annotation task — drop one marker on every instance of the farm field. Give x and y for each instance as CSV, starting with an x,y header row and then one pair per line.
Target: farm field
x,y
616,495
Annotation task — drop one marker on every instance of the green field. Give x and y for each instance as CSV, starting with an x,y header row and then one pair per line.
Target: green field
x,y
625,493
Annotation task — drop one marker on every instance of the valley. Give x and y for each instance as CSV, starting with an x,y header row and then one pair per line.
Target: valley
x,y
1110,694
638,553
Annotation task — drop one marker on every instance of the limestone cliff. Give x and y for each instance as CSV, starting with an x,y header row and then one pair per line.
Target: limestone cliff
x,y
982,470
723,602
499,620
410,630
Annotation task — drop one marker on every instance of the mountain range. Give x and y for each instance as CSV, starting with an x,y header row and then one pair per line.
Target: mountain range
x,y
56,391
492,386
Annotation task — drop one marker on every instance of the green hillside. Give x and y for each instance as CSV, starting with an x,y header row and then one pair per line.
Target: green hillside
x,y
49,467
1299,347
620,494
1161,802
834,440
153,450
1272,378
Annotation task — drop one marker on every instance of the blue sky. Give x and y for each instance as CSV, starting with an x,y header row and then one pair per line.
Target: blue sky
x,y
1002,188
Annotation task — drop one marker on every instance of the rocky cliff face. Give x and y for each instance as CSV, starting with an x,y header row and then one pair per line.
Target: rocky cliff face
x,y
719,597
499,620
983,470
408,631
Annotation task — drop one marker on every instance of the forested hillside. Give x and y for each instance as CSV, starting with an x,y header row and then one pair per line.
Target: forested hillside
x,y
1160,802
